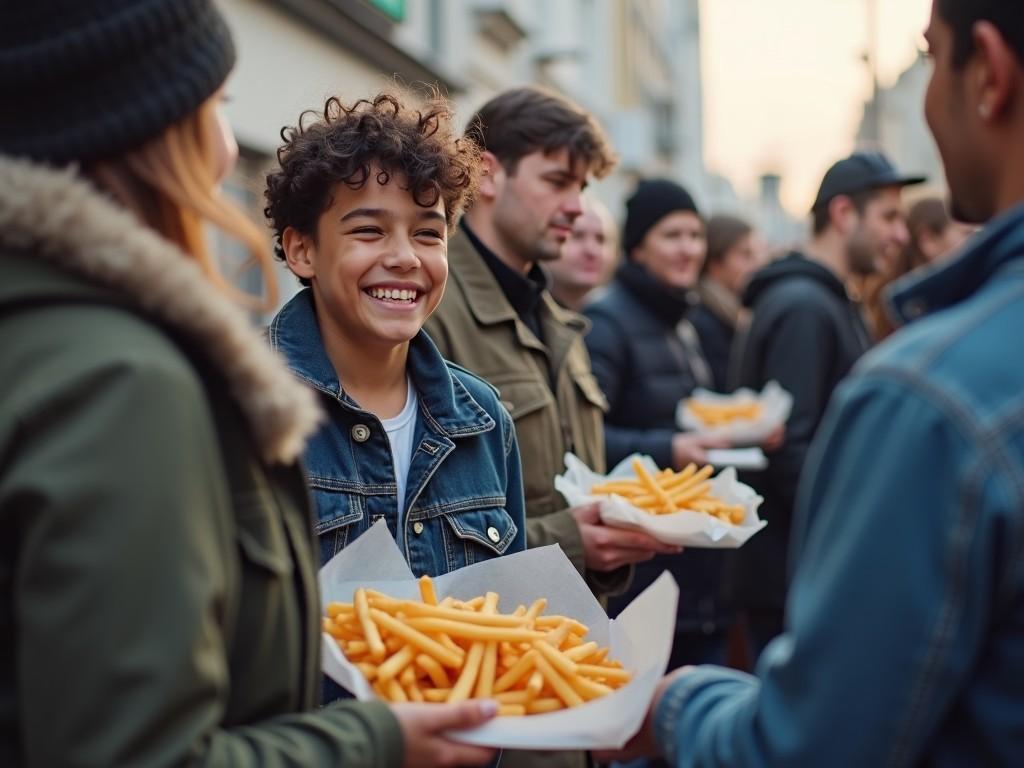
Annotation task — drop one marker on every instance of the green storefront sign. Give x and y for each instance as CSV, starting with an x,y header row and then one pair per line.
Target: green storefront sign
x,y
393,8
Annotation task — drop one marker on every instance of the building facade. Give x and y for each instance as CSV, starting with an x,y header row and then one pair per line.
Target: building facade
x,y
634,63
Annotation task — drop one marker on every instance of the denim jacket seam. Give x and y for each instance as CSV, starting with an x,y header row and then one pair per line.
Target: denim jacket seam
x,y
953,598
1002,426
509,432
466,505
322,483
939,346
668,716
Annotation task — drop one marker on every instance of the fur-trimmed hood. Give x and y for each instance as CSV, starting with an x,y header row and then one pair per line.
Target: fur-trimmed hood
x,y
58,216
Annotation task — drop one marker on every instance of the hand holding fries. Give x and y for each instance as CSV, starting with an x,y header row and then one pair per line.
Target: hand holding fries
x,y
668,491
607,548
451,651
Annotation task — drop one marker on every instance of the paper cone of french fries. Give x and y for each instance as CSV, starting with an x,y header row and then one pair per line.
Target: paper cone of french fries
x,y
640,638
772,408
686,528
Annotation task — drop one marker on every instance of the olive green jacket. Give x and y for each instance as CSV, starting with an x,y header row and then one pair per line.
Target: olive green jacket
x,y
158,595
477,328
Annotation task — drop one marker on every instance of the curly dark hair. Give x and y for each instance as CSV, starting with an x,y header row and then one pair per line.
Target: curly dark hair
x,y
345,144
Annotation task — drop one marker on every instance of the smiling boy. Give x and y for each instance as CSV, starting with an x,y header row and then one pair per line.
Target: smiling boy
x,y
361,206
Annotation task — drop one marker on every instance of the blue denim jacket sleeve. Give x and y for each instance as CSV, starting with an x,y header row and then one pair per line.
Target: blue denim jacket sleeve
x,y
889,603
515,499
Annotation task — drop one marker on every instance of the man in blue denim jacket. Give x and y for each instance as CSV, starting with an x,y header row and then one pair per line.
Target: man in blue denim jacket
x,y
905,636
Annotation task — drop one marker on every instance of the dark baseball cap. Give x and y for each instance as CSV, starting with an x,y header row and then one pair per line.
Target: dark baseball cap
x,y
860,172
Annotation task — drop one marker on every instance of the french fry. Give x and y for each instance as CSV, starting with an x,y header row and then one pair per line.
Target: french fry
x,y
373,639
427,592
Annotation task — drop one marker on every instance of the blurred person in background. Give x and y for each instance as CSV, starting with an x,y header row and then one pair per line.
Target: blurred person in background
x,y
806,332
588,256
904,643
933,234
734,254
157,571
647,358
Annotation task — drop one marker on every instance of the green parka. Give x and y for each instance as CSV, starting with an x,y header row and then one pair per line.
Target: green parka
x,y
158,595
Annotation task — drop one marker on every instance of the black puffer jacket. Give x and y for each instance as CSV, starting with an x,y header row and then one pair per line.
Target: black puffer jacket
x,y
645,363
806,333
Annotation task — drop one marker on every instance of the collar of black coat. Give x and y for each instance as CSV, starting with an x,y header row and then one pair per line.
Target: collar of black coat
x,y
484,295
524,292
58,217
998,248
446,403
667,304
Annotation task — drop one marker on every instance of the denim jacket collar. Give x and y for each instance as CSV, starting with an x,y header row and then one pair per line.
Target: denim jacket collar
x,y
998,247
445,402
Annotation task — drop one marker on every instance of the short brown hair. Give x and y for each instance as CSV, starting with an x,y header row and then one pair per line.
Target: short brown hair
x,y
345,144
724,233
522,121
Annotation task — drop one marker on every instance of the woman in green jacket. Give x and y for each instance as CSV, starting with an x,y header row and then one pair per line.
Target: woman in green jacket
x,y
158,598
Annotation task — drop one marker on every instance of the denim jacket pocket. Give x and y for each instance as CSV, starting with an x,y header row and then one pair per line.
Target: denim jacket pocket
x,y
484,533
338,514
261,535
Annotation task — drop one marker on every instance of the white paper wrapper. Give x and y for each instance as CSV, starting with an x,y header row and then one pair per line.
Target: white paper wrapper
x,y
741,458
776,404
641,637
684,529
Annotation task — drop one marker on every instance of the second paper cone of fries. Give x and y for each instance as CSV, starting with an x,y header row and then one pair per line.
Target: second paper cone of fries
x,y
691,508
523,629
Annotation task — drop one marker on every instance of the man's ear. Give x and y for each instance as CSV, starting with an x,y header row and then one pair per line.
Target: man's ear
x,y
995,70
842,213
299,251
492,180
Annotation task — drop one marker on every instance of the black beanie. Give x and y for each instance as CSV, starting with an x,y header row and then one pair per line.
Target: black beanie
x,y
653,200
87,79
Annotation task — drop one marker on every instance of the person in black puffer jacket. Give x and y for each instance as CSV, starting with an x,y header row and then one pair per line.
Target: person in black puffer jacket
x,y
647,358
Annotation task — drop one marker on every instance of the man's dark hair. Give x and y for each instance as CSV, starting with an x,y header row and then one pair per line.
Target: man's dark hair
x,y
962,15
345,144
820,218
521,121
724,233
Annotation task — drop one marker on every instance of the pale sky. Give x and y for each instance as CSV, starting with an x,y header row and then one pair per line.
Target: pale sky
x,y
784,84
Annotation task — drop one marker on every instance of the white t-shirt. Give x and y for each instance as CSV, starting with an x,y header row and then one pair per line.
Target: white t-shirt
x,y
400,431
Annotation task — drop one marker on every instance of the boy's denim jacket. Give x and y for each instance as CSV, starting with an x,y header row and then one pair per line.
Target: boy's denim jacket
x,y
464,494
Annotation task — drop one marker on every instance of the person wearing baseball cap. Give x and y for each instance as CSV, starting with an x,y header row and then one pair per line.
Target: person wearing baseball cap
x,y
159,596
806,332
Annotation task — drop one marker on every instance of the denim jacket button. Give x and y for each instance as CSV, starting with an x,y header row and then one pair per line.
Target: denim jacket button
x,y
417,527
493,535
360,433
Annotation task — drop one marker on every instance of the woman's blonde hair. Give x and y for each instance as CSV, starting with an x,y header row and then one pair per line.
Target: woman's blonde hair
x,y
170,184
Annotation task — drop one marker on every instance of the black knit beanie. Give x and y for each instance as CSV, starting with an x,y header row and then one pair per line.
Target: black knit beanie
x,y
653,200
86,79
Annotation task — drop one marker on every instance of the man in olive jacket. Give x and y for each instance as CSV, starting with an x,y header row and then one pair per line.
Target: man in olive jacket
x,y
498,320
